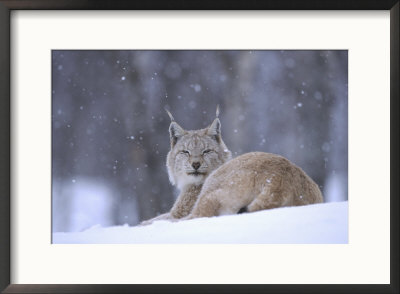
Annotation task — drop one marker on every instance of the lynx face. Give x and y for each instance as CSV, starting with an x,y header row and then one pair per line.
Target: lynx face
x,y
195,154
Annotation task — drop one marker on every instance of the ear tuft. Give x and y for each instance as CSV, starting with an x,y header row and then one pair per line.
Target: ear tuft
x,y
170,115
175,132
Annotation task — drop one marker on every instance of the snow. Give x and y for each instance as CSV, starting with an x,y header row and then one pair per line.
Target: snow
x,y
324,223
85,202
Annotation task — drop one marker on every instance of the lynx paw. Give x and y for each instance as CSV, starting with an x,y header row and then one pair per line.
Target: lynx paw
x,y
145,223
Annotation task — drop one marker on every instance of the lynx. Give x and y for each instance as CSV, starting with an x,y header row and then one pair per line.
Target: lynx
x,y
211,184
194,155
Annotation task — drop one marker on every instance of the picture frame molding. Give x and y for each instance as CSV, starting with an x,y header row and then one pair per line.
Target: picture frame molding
x,y
6,7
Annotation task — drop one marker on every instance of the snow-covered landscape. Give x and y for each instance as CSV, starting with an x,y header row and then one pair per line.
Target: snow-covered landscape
x,y
325,223
111,137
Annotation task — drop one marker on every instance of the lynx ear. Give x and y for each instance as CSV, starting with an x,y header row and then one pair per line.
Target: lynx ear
x,y
175,132
215,130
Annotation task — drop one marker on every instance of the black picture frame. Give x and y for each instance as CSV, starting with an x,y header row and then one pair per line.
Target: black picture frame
x,y
7,6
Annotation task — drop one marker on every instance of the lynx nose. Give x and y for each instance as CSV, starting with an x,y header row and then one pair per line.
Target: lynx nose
x,y
196,165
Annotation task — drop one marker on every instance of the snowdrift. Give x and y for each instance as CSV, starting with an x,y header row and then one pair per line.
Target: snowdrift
x,y
311,224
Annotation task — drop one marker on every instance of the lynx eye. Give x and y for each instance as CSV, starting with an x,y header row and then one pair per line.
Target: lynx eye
x,y
184,152
207,151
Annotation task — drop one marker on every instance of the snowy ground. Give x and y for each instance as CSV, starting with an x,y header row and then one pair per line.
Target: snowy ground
x,y
318,223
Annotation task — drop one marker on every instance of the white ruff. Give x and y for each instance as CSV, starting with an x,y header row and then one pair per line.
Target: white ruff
x,y
185,180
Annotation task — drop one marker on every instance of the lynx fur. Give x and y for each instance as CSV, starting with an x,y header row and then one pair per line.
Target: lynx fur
x,y
211,184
